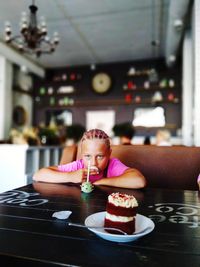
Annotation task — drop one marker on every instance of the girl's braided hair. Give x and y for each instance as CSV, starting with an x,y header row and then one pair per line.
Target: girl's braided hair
x,y
96,134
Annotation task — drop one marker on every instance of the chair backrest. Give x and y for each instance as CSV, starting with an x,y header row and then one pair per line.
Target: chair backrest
x,y
174,167
69,154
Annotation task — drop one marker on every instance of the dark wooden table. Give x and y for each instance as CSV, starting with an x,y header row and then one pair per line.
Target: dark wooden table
x,y
30,236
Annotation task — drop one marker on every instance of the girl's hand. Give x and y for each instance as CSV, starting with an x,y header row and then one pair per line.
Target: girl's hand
x,y
79,176
82,174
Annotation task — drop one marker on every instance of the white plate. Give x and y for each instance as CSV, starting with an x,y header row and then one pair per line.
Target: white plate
x,y
143,226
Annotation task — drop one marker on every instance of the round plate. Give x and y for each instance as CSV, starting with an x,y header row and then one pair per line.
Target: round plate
x,y
143,226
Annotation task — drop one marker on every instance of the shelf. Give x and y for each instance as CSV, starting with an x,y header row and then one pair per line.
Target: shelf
x,y
56,95
111,102
153,88
139,73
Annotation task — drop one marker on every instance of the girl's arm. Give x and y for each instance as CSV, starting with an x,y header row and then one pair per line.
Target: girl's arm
x,y
131,178
53,175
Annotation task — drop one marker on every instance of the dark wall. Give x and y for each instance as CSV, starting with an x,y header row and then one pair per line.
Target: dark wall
x,y
84,98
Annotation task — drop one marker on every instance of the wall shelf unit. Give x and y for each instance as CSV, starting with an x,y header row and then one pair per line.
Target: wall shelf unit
x,y
120,97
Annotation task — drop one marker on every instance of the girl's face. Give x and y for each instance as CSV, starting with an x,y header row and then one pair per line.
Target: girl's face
x,y
97,152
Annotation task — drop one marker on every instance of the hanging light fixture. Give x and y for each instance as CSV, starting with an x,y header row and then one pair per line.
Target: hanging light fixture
x,y
33,38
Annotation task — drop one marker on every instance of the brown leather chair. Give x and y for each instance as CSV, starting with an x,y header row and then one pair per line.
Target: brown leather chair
x,y
174,167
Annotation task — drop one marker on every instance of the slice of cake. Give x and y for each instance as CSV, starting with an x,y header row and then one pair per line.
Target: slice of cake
x,y
121,212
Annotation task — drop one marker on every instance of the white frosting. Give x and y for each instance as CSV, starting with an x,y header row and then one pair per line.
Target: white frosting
x,y
115,218
123,200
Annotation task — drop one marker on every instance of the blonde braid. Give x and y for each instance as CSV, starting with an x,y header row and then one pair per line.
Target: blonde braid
x,y
96,134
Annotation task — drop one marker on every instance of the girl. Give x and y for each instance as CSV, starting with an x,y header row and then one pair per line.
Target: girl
x,y
95,151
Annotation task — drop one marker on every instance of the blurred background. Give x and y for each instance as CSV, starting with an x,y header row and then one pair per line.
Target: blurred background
x,y
71,65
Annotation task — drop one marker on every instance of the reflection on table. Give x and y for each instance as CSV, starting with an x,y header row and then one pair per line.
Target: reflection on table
x,y
30,236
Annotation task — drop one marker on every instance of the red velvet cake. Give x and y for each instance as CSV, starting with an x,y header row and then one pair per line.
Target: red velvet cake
x,y
121,212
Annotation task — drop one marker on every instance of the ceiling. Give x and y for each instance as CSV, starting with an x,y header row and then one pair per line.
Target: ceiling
x,y
95,32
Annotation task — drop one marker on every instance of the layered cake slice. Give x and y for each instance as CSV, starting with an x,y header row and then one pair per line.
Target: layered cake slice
x,y
121,212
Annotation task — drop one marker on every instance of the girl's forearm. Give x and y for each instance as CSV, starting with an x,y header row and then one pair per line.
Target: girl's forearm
x,y
131,179
52,175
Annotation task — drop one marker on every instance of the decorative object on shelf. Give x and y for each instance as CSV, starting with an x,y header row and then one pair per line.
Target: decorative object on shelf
x,y
52,101
71,101
128,98
50,90
131,85
131,71
72,76
66,89
101,83
61,102
65,101
64,77
146,84
33,38
138,99
93,67
163,83
171,83
57,78
37,99
157,97
125,87
42,90
153,76
176,100
170,97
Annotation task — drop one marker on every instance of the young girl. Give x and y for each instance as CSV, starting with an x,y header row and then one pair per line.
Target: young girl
x,y
95,152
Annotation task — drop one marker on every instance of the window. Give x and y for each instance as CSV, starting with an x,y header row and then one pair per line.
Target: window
x,y
149,117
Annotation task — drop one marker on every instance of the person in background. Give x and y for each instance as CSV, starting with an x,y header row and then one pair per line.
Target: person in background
x,y
126,139
163,138
95,152
125,131
147,140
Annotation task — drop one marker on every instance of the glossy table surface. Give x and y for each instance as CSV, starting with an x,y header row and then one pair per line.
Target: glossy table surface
x,y
30,236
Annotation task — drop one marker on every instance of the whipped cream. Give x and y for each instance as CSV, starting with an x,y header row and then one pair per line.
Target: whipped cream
x,y
115,218
123,200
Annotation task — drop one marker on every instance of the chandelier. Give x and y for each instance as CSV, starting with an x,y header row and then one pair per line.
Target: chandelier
x,y
33,38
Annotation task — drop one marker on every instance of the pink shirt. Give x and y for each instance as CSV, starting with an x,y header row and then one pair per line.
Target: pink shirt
x,y
115,168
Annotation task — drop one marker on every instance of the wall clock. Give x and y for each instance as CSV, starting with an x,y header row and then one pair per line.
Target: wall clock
x,y
101,83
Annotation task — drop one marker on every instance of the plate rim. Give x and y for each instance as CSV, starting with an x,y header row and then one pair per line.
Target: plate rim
x,y
117,237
